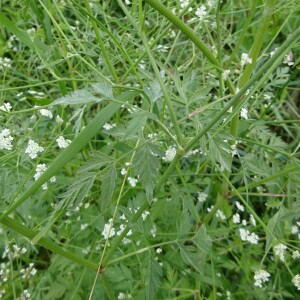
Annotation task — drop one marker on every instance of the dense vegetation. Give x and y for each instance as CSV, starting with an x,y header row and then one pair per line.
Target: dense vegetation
x,y
149,149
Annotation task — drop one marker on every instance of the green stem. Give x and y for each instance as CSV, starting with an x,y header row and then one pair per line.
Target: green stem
x,y
163,88
7,221
101,44
186,30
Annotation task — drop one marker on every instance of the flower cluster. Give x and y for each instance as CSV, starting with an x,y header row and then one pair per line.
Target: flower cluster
x,y
13,253
108,126
245,233
132,181
296,281
170,154
245,59
4,271
28,272
62,142
5,63
40,169
260,277
201,197
6,107
33,149
46,113
279,250
5,140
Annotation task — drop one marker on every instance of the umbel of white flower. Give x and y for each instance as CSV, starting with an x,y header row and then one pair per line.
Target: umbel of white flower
x,y
170,154
260,277
33,149
5,140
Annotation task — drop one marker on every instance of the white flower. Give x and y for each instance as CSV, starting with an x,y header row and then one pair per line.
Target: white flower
x,y
245,59
202,197
244,113
252,220
296,281
46,113
132,181
211,3
6,107
244,222
239,206
236,218
145,214
108,230
294,229
260,277
201,12
288,59
40,169
123,171
158,250
5,63
33,149
5,140
59,120
127,2
279,251
107,126
225,74
170,154
246,236
62,142
84,226
220,214
296,254
253,238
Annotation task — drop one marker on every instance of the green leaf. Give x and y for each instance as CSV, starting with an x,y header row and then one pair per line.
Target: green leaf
x,y
146,166
203,241
108,186
152,276
135,126
191,257
77,97
104,88
73,196
184,224
96,162
154,91
220,152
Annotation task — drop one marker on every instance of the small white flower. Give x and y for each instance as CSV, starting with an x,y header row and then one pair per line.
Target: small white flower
x,y
202,197
260,277
33,149
239,206
279,250
5,63
245,59
62,142
6,107
122,296
201,12
158,250
132,181
225,74
59,120
294,229
107,126
236,218
244,113
127,2
46,113
123,171
244,233
145,214
288,59
40,169
252,220
244,222
5,140
84,226
170,154
108,230
220,214
86,250
253,238
296,281
296,254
